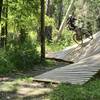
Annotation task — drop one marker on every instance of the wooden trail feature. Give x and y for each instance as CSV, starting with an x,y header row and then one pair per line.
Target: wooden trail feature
x,y
60,60
86,64
78,73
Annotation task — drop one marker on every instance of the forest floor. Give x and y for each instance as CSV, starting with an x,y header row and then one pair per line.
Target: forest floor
x,y
20,85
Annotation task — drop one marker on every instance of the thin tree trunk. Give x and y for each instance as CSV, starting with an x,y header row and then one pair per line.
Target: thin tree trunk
x,y
1,4
48,8
60,16
6,23
48,29
4,28
42,30
22,36
65,18
2,39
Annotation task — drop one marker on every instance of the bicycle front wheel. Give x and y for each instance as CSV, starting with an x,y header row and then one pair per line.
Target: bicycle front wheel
x,y
77,39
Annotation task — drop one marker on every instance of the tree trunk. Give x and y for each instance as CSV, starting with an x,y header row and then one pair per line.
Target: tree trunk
x,y
6,22
4,27
48,33
1,4
48,7
2,40
64,20
49,12
22,36
42,30
60,15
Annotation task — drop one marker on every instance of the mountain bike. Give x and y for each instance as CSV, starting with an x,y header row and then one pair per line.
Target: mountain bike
x,y
81,34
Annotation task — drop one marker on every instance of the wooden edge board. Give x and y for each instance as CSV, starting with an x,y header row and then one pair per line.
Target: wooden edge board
x,y
60,60
58,82
47,81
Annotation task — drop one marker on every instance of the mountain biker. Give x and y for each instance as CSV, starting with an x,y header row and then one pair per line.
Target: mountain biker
x,y
71,22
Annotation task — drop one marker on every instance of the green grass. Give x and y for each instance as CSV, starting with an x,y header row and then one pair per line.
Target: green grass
x,y
89,91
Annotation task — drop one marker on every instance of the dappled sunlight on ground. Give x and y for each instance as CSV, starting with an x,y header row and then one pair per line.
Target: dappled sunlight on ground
x,y
20,85
24,89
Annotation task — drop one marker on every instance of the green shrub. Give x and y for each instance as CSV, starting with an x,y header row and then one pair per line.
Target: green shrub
x,y
5,65
90,91
23,55
66,38
18,56
64,41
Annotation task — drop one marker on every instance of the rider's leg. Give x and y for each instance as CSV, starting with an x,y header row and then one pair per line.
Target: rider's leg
x,y
89,34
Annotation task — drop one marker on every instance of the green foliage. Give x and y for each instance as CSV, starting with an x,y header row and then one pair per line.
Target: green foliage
x,y
66,38
24,14
90,91
23,55
49,21
18,57
65,41
5,64
88,12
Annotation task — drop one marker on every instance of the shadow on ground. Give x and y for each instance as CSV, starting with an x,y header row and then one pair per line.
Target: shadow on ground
x,y
20,85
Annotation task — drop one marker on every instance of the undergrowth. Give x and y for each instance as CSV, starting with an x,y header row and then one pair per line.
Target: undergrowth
x,y
89,91
18,57
64,41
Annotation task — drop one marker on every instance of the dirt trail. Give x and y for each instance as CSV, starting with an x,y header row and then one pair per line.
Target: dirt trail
x,y
20,86
24,90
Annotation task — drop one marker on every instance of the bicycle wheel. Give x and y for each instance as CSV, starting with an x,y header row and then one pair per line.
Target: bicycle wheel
x,y
78,39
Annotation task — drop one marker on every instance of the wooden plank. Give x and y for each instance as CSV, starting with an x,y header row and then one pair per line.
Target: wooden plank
x,y
60,60
46,81
77,73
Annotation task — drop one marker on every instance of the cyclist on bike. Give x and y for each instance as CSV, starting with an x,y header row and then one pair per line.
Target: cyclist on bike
x,y
71,22
80,32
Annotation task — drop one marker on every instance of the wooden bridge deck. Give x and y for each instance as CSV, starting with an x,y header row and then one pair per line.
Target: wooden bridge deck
x,y
77,73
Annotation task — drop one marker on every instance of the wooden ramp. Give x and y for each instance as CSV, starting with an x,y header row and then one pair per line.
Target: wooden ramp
x,y
69,54
78,73
77,52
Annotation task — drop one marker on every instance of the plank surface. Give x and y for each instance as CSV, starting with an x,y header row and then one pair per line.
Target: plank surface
x,y
87,63
77,73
